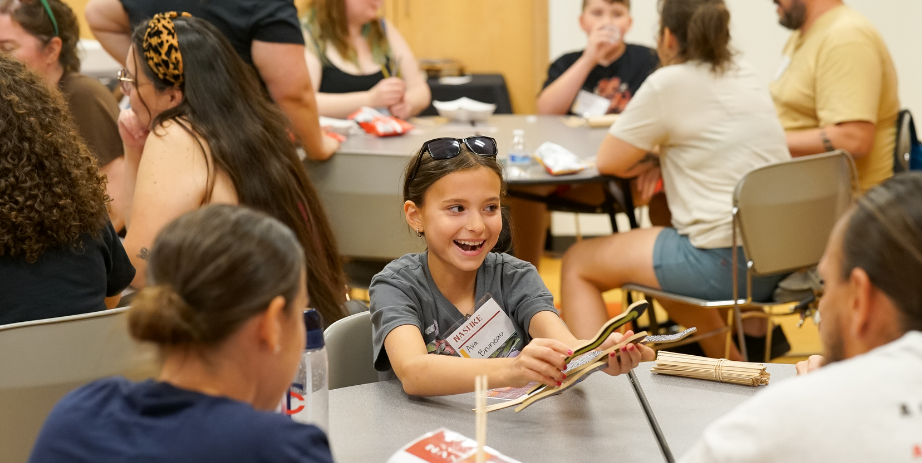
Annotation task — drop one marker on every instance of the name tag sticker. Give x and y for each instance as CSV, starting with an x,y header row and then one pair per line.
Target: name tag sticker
x,y
589,104
485,333
785,62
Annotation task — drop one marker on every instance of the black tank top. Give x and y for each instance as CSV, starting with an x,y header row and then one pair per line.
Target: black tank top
x,y
335,80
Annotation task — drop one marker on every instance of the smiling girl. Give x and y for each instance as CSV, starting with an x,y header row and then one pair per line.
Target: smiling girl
x,y
453,191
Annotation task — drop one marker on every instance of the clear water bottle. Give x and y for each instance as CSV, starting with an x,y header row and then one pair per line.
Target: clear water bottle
x,y
308,397
518,150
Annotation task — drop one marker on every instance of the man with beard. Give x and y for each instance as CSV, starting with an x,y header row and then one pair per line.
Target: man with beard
x,y
836,87
862,401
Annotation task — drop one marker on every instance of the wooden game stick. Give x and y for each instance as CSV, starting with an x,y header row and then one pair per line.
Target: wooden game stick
x,y
593,362
582,371
572,376
632,313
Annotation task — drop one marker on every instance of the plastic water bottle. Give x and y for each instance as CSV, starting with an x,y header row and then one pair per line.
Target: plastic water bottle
x,y
308,397
518,150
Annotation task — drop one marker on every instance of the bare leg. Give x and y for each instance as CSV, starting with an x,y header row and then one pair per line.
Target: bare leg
x,y
530,220
706,320
593,266
755,326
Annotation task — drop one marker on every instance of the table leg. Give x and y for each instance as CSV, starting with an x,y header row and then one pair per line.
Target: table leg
x,y
651,418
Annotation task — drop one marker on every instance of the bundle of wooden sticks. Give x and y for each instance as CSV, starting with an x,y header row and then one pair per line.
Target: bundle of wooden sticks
x,y
723,370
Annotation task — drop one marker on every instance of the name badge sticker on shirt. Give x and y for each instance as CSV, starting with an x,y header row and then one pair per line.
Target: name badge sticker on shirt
x,y
588,104
785,63
487,333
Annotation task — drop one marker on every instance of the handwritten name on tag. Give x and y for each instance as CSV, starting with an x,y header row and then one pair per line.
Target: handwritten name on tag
x,y
488,329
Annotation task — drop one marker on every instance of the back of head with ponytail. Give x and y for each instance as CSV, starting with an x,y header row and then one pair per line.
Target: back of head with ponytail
x,y
210,271
701,28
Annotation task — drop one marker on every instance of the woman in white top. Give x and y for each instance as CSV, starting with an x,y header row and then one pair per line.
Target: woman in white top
x,y
357,59
713,122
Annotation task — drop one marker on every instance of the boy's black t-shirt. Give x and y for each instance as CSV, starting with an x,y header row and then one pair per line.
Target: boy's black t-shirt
x,y
618,81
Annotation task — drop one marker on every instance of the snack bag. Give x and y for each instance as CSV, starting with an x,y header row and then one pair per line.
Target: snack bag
x,y
558,160
378,124
444,446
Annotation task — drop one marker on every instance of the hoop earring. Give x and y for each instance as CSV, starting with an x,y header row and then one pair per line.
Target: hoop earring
x,y
418,233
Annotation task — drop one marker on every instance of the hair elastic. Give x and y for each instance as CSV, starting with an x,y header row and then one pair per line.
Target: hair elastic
x,y
54,21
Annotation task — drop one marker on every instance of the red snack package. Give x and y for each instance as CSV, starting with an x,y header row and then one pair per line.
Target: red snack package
x,y
378,124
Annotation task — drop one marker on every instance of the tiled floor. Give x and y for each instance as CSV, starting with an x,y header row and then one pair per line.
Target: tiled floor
x,y
804,340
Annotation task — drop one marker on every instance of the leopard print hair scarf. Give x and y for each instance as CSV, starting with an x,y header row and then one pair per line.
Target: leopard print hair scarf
x,y
161,48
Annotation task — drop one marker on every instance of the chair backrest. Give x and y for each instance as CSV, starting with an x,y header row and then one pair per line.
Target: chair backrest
x,y
905,132
41,361
786,211
349,349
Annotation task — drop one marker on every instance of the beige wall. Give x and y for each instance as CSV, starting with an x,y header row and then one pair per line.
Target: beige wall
x,y
507,37
79,7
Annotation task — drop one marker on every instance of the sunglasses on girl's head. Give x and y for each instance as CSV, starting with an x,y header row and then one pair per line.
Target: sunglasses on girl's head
x,y
447,148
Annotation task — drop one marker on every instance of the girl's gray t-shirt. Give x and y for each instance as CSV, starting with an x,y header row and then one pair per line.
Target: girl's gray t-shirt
x,y
405,294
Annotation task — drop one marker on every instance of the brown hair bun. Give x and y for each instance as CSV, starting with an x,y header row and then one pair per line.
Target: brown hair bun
x,y
210,271
160,315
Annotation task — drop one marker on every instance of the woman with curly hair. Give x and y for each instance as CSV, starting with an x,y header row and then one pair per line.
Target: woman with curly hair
x,y
43,35
200,132
59,254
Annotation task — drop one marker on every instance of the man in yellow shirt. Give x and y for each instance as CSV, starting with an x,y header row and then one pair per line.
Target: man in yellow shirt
x,y
836,87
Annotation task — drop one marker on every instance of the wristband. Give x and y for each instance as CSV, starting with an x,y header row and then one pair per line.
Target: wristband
x,y
827,145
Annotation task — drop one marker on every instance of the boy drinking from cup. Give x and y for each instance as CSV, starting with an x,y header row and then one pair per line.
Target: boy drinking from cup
x,y
602,78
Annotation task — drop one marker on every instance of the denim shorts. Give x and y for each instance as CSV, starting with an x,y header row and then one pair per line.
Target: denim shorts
x,y
704,273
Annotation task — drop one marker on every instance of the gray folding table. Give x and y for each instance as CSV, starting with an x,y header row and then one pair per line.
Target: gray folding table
x,y
684,407
360,186
598,420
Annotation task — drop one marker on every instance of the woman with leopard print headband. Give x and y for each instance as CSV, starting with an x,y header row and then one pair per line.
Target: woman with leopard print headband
x,y
265,34
200,132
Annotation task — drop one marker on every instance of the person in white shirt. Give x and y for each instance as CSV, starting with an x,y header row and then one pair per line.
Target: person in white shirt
x,y
713,122
862,400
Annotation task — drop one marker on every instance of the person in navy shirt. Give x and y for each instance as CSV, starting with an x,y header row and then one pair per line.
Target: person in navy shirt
x,y
231,337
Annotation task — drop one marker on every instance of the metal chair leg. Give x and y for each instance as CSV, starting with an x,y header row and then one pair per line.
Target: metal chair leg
x,y
768,341
651,316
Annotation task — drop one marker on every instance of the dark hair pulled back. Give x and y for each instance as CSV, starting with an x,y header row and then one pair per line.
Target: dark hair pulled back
x,y
31,16
702,29
884,238
224,107
210,271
